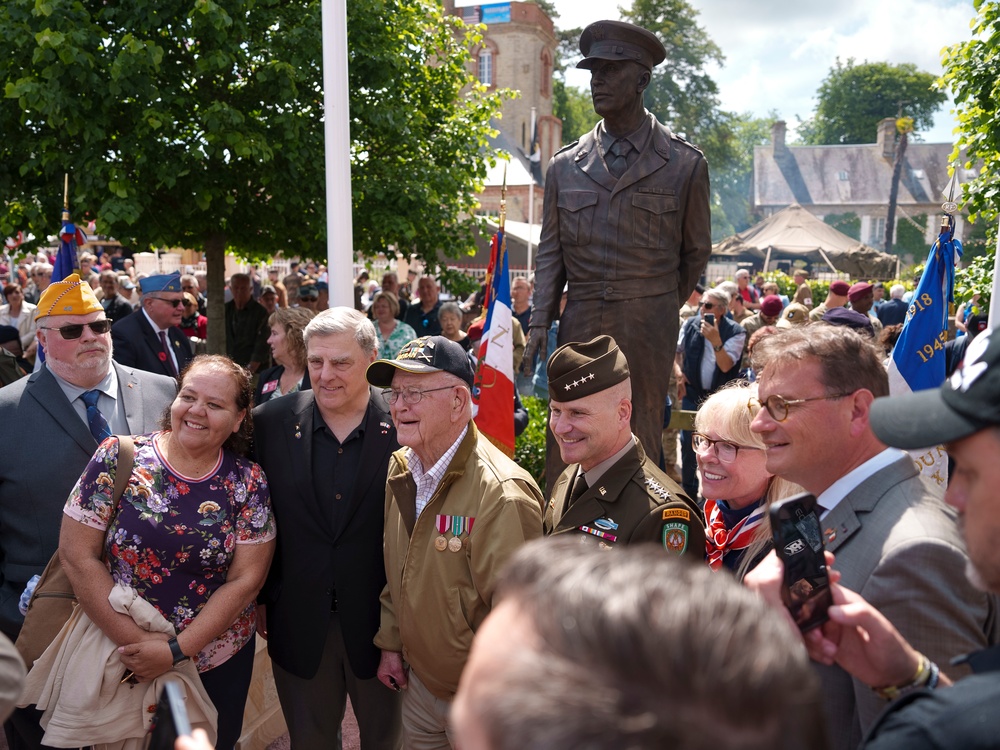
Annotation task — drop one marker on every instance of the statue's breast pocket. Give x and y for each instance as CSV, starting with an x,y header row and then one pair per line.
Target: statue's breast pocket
x,y
576,216
655,219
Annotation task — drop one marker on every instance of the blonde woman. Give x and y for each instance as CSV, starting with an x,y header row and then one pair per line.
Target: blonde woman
x,y
734,480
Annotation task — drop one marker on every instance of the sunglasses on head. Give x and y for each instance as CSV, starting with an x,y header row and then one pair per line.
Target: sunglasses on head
x,y
75,330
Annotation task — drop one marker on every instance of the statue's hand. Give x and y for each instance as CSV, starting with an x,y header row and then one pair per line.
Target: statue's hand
x,y
538,341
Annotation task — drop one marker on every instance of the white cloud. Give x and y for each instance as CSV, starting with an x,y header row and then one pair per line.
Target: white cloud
x,y
779,51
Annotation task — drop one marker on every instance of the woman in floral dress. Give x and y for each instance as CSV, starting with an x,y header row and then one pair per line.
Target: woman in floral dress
x,y
193,534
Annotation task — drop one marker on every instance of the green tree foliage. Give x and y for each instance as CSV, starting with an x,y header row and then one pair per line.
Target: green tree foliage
x,y
731,179
849,224
854,98
910,237
574,107
200,125
529,447
972,72
976,278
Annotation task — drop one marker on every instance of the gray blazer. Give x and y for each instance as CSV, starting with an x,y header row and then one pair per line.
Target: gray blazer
x,y
898,545
47,447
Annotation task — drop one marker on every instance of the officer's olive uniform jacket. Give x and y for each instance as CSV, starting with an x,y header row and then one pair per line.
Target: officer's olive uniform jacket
x,y
633,502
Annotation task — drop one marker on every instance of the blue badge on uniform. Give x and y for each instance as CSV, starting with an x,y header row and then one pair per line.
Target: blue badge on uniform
x,y
606,523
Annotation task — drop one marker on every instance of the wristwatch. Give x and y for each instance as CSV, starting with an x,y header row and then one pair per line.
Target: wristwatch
x,y
175,651
717,348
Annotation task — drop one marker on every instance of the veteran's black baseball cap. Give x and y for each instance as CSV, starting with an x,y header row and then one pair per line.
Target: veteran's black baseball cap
x,y
969,401
424,355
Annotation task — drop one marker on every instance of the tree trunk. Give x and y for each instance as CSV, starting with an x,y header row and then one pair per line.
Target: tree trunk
x,y
890,220
215,260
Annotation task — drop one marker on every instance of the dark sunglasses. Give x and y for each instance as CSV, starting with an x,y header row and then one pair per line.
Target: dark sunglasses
x,y
75,331
171,302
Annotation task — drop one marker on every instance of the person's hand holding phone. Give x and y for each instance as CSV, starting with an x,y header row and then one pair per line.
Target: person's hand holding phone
x,y
710,329
860,640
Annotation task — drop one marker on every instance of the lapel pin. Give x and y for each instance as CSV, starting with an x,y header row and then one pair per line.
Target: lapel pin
x,y
298,432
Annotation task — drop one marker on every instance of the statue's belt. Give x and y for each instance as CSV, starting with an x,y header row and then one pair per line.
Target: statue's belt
x,y
622,289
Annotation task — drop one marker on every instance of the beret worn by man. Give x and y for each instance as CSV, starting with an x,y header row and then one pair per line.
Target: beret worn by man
x,y
611,492
626,225
456,509
152,339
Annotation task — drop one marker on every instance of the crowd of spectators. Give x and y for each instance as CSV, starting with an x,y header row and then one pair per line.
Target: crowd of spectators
x,y
394,518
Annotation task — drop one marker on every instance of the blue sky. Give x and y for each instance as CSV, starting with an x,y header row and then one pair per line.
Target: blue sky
x,y
779,51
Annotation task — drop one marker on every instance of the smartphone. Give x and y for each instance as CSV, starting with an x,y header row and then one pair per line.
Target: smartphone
x,y
170,720
798,541
709,318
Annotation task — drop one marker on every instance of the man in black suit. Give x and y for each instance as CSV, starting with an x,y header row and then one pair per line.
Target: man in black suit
x,y
151,339
325,452
115,306
53,433
894,311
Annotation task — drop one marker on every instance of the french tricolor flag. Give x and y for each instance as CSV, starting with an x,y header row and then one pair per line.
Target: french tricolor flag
x,y
493,393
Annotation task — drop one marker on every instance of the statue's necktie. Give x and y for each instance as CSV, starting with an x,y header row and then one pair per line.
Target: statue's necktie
x,y
618,162
99,426
166,352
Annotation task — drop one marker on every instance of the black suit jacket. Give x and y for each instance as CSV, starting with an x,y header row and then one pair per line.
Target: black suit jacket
x,y
892,312
117,308
314,560
137,345
47,449
270,375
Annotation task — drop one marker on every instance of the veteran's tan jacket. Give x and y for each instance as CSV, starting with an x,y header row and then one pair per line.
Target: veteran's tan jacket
x,y
436,599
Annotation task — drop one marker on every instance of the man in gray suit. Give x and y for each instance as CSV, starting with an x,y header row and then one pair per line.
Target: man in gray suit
x,y
53,432
626,224
896,542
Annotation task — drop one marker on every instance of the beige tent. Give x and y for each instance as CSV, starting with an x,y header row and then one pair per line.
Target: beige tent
x,y
794,233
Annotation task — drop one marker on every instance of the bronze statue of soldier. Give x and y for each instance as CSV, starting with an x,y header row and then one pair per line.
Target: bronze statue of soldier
x,y
626,227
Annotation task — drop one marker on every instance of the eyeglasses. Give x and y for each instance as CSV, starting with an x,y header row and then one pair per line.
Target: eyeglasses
x,y
171,302
75,331
777,406
410,396
724,450
706,305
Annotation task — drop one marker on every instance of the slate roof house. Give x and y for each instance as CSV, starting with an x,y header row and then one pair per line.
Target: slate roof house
x,y
855,179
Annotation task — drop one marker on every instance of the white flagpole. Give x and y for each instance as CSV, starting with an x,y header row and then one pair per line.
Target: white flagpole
x,y
531,193
339,229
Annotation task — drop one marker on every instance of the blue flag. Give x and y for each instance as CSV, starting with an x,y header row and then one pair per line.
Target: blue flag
x,y
918,359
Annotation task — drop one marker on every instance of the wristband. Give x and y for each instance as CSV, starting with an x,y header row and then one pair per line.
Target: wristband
x,y
176,653
927,675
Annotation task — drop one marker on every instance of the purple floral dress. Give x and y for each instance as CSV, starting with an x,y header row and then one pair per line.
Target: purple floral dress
x,y
173,537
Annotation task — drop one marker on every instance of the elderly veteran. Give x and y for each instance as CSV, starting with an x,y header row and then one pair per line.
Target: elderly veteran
x,y
456,509
610,492
152,340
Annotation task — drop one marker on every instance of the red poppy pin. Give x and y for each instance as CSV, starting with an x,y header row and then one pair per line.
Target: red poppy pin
x,y
162,356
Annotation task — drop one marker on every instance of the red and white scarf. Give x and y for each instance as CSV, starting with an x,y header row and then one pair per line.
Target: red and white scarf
x,y
719,540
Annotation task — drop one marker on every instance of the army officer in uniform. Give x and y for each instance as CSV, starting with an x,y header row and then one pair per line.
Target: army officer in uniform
x,y
610,492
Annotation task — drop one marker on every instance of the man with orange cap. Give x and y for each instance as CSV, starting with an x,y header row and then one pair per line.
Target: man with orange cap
x,y
56,418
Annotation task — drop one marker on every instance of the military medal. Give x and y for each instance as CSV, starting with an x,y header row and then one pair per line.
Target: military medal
x,y
442,524
457,527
